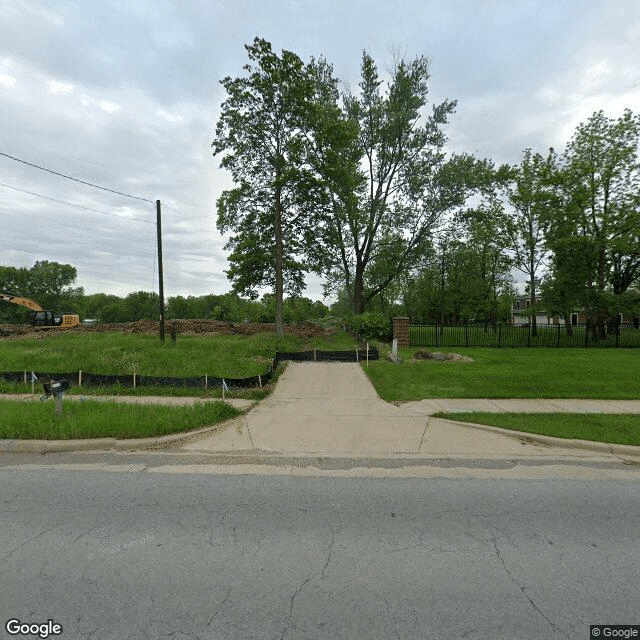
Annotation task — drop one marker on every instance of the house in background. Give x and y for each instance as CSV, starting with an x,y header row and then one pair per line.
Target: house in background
x,y
520,315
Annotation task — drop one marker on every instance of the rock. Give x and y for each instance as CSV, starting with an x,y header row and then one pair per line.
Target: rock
x,y
423,354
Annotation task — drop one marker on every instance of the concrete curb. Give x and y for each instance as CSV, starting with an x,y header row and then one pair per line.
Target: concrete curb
x,y
103,444
274,457
99,444
590,445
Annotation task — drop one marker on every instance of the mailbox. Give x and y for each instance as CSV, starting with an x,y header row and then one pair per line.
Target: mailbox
x,y
55,388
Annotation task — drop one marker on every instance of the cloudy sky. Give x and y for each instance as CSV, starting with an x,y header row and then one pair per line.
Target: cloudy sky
x,y
126,94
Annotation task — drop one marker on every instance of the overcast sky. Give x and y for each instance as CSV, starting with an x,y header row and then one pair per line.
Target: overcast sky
x,y
126,95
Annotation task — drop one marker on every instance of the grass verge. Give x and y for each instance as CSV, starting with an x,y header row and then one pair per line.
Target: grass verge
x,y
94,419
598,427
511,373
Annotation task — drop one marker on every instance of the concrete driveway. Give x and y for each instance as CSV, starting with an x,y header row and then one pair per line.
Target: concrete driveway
x,y
333,409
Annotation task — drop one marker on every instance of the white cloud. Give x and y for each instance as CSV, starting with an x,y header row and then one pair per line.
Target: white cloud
x,y
57,87
7,81
169,117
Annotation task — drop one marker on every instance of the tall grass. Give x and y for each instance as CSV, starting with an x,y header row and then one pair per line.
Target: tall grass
x,y
230,356
94,419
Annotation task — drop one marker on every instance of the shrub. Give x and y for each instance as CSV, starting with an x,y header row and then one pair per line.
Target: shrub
x,y
371,325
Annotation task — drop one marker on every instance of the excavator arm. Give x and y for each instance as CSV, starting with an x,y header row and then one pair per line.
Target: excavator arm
x,y
40,318
25,302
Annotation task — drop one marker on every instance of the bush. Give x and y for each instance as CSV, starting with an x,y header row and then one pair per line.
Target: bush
x,y
371,325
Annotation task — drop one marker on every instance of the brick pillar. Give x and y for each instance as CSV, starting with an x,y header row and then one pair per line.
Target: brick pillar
x,y
401,331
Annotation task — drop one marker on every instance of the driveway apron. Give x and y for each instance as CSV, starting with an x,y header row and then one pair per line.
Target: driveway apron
x,y
332,408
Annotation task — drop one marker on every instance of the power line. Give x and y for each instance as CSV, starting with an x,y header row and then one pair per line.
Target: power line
x,y
70,204
62,175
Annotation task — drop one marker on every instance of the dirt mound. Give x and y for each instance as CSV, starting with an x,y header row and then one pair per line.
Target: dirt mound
x,y
183,327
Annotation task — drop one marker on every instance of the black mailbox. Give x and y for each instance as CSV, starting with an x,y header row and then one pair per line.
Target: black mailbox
x,y
55,387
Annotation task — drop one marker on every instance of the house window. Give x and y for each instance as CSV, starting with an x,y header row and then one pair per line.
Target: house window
x,y
574,319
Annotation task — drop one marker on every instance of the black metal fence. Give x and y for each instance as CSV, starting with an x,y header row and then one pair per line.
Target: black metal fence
x,y
524,336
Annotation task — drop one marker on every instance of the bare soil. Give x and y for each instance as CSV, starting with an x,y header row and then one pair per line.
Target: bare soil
x,y
182,327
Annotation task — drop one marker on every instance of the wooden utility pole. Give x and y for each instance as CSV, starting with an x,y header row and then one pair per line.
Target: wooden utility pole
x,y
160,277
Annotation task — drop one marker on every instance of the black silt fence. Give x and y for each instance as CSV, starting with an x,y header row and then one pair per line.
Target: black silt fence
x,y
318,355
88,379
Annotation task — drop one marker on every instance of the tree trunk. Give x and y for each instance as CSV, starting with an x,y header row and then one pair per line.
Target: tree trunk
x,y
567,324
534,319
279,289
358,290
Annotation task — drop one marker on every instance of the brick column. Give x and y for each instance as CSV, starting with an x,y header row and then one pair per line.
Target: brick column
x,y
401,331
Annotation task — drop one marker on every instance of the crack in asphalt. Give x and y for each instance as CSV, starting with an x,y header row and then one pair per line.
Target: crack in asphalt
x,y
293,597
326,564
307,581
219,609
526,595
30,540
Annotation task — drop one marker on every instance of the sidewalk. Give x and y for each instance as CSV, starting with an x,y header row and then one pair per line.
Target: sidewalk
x,y
330,409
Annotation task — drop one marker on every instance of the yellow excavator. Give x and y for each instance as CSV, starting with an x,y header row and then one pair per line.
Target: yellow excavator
x,y
40,318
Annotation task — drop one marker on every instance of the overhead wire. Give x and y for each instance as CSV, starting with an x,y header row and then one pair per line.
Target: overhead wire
x,y
90,184
63,175
71,204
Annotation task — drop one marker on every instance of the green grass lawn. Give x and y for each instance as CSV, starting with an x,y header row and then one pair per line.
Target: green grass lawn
x,y
599,427
512,373
231,356
94,419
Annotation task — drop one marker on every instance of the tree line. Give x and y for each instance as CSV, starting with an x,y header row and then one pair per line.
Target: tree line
x,y
354,184
52,286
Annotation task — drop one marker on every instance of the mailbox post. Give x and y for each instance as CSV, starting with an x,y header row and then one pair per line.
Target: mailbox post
x,y
55,388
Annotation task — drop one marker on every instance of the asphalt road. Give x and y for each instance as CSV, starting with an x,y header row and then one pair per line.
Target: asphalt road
x,y
195,555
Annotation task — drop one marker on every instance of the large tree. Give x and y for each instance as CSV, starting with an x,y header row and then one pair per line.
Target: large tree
x,y
390,183
531,200
598,223
261,133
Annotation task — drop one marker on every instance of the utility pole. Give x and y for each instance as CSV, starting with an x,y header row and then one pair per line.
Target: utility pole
x,y
160,277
